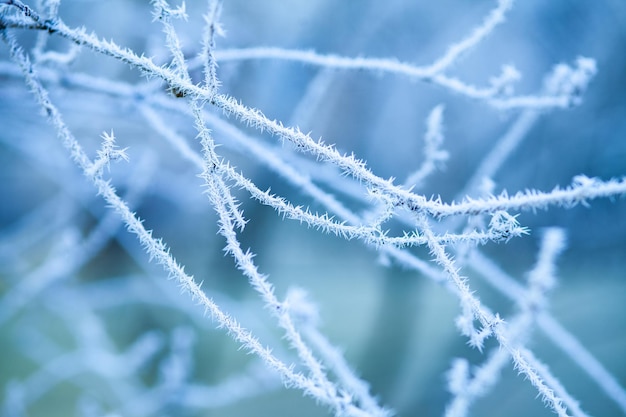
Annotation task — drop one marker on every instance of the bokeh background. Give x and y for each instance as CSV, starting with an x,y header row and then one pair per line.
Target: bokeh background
x,y
76,289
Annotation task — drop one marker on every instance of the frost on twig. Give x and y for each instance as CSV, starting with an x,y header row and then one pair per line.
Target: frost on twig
x,y
107,153
434,155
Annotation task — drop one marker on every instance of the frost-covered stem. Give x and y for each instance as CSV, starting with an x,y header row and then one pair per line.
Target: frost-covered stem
x,y
42,37
76,152
542,277
581,191
539,376
542,373
466,390
467,299
433,154
495,17
491,95
211,29
27,11
164,13
50,9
